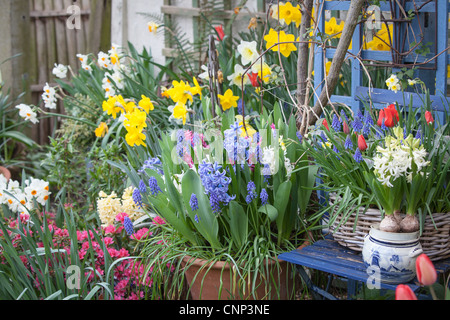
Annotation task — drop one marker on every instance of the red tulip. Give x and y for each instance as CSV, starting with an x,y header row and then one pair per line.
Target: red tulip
x,y
325,123
404,292
253,79
394,112
380,118
429,117
426,273
389,119
220,32
362,145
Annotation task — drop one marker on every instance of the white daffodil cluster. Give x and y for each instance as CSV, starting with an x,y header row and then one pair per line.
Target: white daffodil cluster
x,y
397,158
393,83
113,80
27,113
49,97
20,199
60,71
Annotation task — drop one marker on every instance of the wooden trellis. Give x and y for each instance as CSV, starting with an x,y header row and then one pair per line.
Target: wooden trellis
x,y
52,41
431,21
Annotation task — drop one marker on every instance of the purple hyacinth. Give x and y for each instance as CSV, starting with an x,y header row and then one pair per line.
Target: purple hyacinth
x,y
264,197
152,164
357,124
299,136
153,185
336,124
193,202
128,225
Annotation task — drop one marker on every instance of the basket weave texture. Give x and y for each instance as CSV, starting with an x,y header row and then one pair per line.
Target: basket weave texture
x,y
435,238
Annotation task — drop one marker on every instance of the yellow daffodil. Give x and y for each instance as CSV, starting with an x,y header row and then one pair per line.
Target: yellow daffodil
x,y
127,106
228,100
250,130
180,92
285,48
289,13
135,137
136,119
196,89
264,73
111,107
334,29
101,130
180,112
146,104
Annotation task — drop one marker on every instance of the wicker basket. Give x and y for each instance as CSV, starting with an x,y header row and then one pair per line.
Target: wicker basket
x,y
435,238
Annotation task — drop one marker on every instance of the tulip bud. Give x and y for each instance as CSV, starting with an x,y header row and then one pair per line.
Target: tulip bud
x,y
404,292
362,145
325,123
426,273
380,118
429,117
345,128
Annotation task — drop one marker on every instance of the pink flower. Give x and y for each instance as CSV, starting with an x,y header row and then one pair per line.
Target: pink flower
x,y
121,216
158,220
141,234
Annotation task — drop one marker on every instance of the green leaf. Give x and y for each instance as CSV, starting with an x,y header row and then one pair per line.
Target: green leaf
x,y
207,223
238,224
270,210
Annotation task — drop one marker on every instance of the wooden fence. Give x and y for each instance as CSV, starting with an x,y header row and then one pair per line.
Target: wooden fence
x,y
53,41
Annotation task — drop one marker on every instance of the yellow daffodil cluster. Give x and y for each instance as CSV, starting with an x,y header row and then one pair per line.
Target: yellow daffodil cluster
x,y
181,92
134,117
333,29
382,39
286,13
286,45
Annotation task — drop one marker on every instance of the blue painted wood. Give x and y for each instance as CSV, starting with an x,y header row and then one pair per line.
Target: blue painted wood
x,y
328,256
437,11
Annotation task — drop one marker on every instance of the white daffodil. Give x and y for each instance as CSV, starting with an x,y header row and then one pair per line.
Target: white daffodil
x,y
27,113
60,71
104,61
236,77
248,52
49,97
84,62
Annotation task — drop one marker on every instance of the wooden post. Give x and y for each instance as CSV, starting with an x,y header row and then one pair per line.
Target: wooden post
x,y
15,26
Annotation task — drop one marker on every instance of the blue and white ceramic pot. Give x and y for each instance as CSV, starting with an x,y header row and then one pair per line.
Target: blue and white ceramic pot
x,y
391,257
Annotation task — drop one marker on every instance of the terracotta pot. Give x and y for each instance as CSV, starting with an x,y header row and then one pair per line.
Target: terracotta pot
x,y
5,172
219,281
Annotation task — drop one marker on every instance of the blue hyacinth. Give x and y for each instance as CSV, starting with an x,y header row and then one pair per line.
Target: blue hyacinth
x,y
193,202
357,124
299,136
264,197
153,185
336,124
251,192
142,187
216,184
128,225
358,156
137,198
348,143
153,164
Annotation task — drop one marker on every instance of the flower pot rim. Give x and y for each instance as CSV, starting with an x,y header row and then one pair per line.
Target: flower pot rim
x,y
393,236
189,260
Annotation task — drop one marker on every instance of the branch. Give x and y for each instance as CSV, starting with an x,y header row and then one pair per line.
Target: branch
x,y
338,59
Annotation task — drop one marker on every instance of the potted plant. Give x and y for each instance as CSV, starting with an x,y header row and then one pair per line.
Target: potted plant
x,y
232,199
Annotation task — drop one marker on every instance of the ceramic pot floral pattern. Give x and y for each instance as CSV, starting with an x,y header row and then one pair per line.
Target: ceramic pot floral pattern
x,y
390,257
